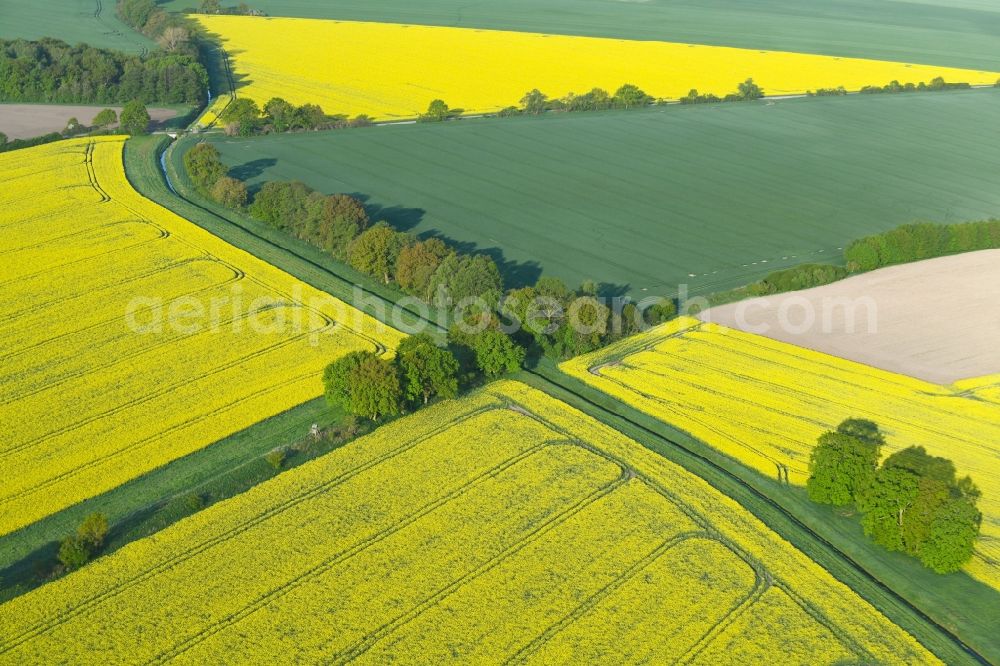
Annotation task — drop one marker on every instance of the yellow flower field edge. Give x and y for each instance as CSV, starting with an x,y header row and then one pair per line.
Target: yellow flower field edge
x,y
765,403
504,526
132,336
389,70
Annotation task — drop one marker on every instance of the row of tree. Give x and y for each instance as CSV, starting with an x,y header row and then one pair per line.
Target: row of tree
x,y
50,71
936,84
243,117
547,316
745,92
913,502
628,96
913,242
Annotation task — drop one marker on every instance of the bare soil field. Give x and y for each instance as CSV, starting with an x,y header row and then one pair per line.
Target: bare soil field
x,y
937,320
24,121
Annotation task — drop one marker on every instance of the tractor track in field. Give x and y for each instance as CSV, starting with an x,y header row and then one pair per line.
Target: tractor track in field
x,y
827,545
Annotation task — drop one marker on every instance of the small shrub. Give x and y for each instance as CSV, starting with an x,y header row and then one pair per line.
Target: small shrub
x,y
276,458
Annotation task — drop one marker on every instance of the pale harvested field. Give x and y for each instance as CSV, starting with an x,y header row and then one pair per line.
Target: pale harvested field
x,y
24,121
937,320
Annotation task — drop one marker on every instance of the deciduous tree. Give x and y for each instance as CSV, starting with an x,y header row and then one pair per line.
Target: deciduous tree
x,y
135,118
427,369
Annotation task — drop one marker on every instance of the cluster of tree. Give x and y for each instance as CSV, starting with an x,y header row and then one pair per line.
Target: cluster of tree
x,y
134,121
328,221
535,102
438,111
52,71
912,503
172,32
827,92
562,322
936,84
366,385
205,169
77,549
913,242
745,92
243,117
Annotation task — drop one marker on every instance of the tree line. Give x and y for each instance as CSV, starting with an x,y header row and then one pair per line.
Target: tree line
x,y
627,96
913,502
548,317
243,117
52,71
924,240
937,84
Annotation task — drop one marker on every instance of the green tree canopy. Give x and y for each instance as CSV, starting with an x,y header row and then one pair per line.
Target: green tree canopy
x,y
104,119
280,114
244,114
417,264
630,96
749,90
461,277
427,369
204,166
437,111
376,250
135,118
364,385
886,505
842,466
534,102
230,192
496,353
952,536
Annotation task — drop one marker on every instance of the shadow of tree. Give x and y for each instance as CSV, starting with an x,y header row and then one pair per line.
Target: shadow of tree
x,y
252,169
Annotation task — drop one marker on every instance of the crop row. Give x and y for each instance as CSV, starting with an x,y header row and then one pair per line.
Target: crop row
x,y
765,403
502,526
97,390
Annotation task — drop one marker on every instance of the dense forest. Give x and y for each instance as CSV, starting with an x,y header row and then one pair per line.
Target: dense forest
x,y
50,70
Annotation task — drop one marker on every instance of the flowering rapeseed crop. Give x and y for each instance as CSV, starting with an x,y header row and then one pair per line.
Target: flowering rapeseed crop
x,y
87,399
765,403
502,526
389,70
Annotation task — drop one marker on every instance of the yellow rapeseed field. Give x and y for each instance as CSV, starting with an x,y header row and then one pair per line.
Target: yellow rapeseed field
x,y
388,70
765,403
93,392
502,527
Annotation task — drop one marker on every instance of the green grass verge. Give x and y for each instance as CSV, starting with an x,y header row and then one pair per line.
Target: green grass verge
x,y
144,505
93,22
957,33
712,197
833,538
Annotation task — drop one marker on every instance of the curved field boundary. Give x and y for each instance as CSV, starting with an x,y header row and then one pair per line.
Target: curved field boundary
x,y
525,653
